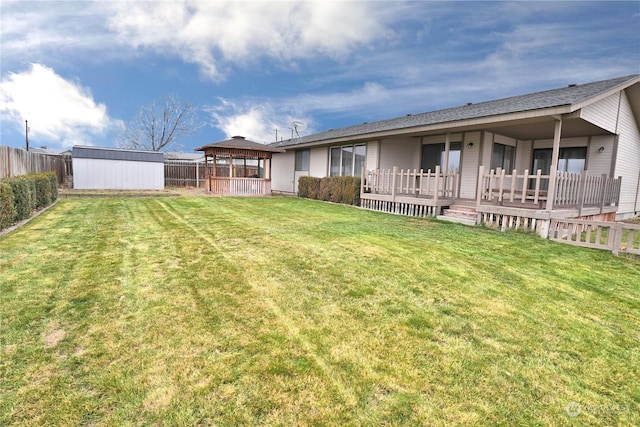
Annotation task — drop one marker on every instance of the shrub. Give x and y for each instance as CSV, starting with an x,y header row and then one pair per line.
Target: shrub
x,y
53,182
324,189
7,208
337,189
43,190
308,187
21,195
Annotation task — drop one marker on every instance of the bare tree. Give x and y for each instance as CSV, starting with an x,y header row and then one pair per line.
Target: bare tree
x,y
160,124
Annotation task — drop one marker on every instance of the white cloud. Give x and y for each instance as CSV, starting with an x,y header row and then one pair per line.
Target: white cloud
x,y
58,110
213,33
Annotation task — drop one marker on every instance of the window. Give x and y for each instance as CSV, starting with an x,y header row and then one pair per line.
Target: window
x,y
433,155
347,160
570,159
302,160
502,157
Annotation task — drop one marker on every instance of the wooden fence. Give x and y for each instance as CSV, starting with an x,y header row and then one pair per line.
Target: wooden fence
x,y
613,236
184,174
17,162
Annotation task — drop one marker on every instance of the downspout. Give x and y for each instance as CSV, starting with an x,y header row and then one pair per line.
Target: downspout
x,y
553,173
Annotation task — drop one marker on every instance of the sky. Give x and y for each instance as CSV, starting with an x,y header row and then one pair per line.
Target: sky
x,y
80,71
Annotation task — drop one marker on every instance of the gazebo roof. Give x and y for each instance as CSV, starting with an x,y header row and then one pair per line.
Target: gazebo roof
x,y
240,143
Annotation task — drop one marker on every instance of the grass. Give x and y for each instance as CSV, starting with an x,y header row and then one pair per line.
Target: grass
x,y
280,311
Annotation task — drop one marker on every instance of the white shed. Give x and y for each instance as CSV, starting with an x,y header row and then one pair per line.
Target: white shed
x,y
96,168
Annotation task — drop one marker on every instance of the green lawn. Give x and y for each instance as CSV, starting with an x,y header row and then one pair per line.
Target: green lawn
x,y
280,311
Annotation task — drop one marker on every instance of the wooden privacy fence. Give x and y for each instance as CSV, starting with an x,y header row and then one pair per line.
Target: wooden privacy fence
x,y
17,162
613,236
184,174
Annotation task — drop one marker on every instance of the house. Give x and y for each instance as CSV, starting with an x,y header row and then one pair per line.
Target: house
x,y
96,168
572,152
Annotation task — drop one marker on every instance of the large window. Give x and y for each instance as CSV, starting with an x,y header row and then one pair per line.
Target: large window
x,y
572,159
302,160
433,155
347,160
502,157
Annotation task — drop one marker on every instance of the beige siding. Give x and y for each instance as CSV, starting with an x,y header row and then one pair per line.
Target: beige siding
x,y
597,162
523,156
628,160
373,155
283,172
318,162
401,152
469,165
603,113
487,149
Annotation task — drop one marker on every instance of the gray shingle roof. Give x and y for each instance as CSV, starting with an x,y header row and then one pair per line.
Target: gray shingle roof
x,y
565,96
82,152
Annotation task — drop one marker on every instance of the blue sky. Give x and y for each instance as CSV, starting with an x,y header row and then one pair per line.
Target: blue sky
x,y
80,70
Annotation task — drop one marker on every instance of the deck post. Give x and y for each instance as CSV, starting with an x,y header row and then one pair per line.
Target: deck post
x,y
479,186
437,190
551,190
393,183
582,186
362,177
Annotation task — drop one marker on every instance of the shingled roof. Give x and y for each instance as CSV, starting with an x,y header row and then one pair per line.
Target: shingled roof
x,y
239,142
566,96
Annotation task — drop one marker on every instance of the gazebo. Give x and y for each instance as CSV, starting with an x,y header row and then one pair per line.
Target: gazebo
x,y
238,166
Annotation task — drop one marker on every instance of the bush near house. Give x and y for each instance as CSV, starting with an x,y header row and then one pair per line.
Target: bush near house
x,y
337,189
21,195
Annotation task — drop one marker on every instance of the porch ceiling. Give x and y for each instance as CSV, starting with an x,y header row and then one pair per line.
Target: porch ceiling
x,y
544,129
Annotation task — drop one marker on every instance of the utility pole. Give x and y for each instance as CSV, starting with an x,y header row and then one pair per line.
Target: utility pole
x,y
26,134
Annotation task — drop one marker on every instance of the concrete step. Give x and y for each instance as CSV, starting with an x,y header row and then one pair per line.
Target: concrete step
x,y
464,221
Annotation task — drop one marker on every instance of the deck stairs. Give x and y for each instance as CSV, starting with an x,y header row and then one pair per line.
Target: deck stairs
x,y
461,212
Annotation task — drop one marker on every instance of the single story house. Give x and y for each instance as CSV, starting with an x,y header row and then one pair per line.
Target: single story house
x,y
572,152
97,168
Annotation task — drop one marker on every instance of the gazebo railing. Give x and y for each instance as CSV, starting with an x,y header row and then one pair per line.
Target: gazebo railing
x,y
239,186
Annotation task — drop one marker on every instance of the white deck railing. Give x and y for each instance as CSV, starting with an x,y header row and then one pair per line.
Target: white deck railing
x,y
239,186
413,182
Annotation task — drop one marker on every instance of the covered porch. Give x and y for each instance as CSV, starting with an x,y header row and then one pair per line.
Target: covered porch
x,y
518,174
238,167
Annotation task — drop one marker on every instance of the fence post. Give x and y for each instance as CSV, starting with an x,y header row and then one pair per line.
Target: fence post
x,y
616,239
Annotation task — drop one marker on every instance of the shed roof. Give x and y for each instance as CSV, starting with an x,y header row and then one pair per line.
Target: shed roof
x,y
84,152
571,95
239,142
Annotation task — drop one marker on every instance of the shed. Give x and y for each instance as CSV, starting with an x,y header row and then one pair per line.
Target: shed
x,y
98,168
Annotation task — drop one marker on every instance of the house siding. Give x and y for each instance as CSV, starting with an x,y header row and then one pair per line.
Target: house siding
x,y
283,167
319,162
373,155
401,152
107,174
628,160
469,165
603,113
597,162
